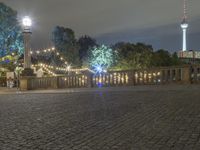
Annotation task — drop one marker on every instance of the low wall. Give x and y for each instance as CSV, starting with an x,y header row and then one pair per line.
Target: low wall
x,y
165,75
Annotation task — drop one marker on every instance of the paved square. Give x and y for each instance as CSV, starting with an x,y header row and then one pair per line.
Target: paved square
x,y
133,118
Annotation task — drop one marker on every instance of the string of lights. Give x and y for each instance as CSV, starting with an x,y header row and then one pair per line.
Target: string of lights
x,y
10,56
47,70
49,50
56,68
47,67
67,69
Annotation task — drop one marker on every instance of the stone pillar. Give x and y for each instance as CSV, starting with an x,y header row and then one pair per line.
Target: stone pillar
x,y
27,73
195,75
27,49
25,83
186,75
27,55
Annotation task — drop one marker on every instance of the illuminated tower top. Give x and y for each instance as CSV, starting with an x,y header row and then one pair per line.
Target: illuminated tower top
x,y
184,23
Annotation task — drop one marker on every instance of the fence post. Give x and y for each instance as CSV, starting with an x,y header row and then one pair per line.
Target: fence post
x,y
57,82
131,77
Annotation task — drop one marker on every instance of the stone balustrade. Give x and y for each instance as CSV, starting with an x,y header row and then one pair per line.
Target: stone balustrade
x,y
153,76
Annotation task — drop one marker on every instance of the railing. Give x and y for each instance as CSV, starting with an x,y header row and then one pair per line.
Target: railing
x,y
43,83
72,81
165,75
117,78
58,82
139,77
195,73
3,81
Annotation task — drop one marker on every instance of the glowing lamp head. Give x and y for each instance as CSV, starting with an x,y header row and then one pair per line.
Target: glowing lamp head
x,y
27,21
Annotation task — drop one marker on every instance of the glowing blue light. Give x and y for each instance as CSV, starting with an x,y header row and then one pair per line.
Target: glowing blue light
x,y
98,69
99,84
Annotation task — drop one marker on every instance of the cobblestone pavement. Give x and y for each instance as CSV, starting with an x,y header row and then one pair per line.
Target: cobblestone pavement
x,y
101,120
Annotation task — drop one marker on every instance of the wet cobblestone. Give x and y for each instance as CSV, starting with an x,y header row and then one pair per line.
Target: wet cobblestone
x,y
101,120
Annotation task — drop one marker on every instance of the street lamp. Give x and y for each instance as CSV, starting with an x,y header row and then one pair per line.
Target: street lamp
x,y
27,22
27,73
27,36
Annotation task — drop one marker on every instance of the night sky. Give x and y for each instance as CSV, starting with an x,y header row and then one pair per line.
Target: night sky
x,y
155,22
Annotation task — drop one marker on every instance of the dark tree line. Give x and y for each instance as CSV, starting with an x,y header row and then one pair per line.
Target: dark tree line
x,y
140,55
126,55
75,51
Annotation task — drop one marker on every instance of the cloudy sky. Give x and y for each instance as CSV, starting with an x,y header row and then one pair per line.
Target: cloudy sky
x,y
155,22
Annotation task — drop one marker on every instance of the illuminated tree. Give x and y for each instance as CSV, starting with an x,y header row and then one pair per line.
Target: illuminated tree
x,y
11,38
101,58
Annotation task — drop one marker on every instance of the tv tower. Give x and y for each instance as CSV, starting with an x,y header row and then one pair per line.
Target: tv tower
x,y
184,26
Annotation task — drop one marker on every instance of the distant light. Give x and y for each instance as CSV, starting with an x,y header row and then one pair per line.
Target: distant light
x,y
98,69
105,71
27,21
68,67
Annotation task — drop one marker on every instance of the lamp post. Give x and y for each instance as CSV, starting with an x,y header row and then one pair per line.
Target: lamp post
x,y
27,48
27,36
27,73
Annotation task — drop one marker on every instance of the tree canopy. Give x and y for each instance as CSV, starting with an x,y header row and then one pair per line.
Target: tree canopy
x,y
85,44
101,57
164,58
133,56
65,42
11,38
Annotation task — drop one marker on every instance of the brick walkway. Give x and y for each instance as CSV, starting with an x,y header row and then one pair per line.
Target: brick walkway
x,y
100,120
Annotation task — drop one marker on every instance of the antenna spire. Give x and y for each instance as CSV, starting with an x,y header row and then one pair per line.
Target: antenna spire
x,y
185,9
